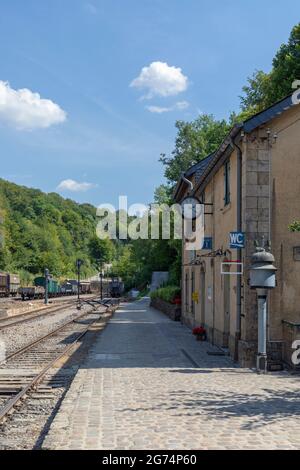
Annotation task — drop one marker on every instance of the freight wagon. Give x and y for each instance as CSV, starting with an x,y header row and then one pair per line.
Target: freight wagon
x,y
96,286
9,284
85,287
31,292
53,286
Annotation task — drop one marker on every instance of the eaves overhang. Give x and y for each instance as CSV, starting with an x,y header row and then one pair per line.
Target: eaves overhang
x,y
227,147
224,147
268,114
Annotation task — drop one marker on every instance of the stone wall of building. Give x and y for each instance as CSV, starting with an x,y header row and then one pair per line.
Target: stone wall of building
x,y
256,225
270,190
173,311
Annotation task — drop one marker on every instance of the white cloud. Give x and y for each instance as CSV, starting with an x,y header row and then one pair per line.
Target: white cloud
x,y
159,109
160,79
72,185
27,110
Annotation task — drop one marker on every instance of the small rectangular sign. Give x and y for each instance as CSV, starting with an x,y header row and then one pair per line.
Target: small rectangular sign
x,y
207,243
237,240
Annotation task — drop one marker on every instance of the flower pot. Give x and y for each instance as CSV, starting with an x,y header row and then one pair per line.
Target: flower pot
x,y
201,337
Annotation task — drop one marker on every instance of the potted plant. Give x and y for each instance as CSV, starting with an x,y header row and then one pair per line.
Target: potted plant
x,y
176,300
200,333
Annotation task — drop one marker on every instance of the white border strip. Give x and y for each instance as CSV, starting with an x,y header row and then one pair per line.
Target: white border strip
x,y
232,273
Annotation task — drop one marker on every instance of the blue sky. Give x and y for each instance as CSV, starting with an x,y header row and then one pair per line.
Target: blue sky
x,y
83,55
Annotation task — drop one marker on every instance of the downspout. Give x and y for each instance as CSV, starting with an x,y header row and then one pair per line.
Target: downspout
x,y
239,251
183,273
187,182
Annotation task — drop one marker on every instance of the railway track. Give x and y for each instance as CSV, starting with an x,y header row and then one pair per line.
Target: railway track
x,y
27,316
23,370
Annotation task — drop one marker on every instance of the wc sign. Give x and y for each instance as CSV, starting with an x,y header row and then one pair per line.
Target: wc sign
x,y
237,239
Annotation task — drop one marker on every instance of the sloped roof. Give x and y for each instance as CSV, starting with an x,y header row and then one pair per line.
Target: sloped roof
x,y
268,114
205,166
199,167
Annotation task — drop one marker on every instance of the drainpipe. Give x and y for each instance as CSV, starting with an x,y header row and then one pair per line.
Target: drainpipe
x,y
239,251
190,184
183,273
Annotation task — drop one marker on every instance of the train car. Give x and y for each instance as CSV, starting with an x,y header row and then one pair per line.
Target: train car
x,y
53,286
116,287
4,285
74,284
14,283
95,286
85,287
9,284
31,292
66,288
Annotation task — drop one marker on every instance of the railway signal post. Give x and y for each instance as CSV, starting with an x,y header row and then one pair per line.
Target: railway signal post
x,y
46,285
78,265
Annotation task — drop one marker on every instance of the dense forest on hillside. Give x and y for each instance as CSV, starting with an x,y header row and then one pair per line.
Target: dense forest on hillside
x,y
41,230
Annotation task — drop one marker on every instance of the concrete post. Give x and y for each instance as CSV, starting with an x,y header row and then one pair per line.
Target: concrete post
x,y
46,285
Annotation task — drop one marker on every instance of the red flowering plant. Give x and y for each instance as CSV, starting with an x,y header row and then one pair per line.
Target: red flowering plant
x,y
199,330
200,333
176,300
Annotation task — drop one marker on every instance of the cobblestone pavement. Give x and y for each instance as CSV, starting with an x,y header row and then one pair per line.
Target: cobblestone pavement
x,y
147,384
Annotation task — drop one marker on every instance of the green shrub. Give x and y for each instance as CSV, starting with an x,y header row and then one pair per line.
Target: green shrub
x,y
294,226
167,293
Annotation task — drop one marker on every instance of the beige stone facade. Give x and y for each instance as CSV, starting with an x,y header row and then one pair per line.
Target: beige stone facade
x,y
268,170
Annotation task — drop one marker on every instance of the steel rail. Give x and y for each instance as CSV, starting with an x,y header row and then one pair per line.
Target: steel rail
x,y
32,315
6,409
39,340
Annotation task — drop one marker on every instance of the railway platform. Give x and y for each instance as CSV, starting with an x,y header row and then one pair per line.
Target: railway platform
x,y
147,384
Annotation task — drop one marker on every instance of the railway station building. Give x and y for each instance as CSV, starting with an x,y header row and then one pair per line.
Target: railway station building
x,y
251,186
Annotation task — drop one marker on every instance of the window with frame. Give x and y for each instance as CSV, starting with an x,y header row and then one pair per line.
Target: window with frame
x,y
226,183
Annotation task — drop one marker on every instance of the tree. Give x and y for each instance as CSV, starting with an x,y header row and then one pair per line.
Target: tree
x,y
194,141
163,194
255,96
264,89
45,230
101,251
124,266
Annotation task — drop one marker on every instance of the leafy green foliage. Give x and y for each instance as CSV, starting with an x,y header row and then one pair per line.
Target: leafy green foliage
x,y
44,230
167,293
101,251
194,141
264,89
294,226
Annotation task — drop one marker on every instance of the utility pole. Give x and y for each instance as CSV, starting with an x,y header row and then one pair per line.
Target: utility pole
x,y
46,285
78,265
